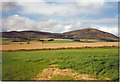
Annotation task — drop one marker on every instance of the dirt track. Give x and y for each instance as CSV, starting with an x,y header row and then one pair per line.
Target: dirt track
x,y
39,45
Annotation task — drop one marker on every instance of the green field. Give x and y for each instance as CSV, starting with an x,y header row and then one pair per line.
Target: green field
x,y
71,41
60,41
2,43
25,65
6,39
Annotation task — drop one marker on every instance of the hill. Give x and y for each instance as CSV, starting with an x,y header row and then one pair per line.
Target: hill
x,y
90,33
30,34
87,33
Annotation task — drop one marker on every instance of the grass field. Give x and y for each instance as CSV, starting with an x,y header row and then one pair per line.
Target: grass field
x,y
25,65
71,41
60,41
6,39
3,43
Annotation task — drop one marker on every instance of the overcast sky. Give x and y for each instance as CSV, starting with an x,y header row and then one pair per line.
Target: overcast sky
x,y
59,17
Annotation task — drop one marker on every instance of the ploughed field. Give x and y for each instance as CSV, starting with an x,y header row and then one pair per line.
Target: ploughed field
x,y
86,64
63,44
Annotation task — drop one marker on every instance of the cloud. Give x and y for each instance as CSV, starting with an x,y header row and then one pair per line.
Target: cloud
x,y
66,28
17,23
20,23
59,0
52,25
107,28
0,25
101,20
45,24
73,16
90,3
110,29
47,9
62,9
8,6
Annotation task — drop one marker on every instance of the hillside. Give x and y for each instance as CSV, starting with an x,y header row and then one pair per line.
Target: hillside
x,y
88,33
30,34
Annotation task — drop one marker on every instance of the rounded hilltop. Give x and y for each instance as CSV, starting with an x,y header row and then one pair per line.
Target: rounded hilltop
x,y
90,33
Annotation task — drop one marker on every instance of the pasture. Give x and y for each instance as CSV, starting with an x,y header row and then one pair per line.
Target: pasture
x,y
100,63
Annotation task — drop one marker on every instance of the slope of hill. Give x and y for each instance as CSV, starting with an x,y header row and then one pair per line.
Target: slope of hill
x,y
90,33
87,33
30,34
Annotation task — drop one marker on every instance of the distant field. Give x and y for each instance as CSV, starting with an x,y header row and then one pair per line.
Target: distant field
x,y
60,41
9,40
101,63
6,39
2,43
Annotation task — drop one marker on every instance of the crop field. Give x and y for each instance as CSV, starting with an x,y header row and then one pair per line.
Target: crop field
x,y
97,63
37,45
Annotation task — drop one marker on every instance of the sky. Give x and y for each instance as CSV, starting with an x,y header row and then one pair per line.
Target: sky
x,y
58,17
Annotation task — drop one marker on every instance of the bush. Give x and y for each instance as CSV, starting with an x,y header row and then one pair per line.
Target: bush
x,y
41,40
28,42
109,40
20,40
76,40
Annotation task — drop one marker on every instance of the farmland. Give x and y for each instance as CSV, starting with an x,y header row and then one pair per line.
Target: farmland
x,y
37,45
16,44
59,59
101,63
55,40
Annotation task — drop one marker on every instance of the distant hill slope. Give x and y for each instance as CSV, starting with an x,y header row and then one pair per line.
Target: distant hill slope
x,y
30,34
90,33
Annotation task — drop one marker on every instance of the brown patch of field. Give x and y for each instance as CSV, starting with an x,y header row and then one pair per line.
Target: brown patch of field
x,y
53,65
52,60
36,45
48,73
107,79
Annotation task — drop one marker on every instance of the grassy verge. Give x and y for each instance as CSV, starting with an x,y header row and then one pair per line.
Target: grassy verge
x,y
25,65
